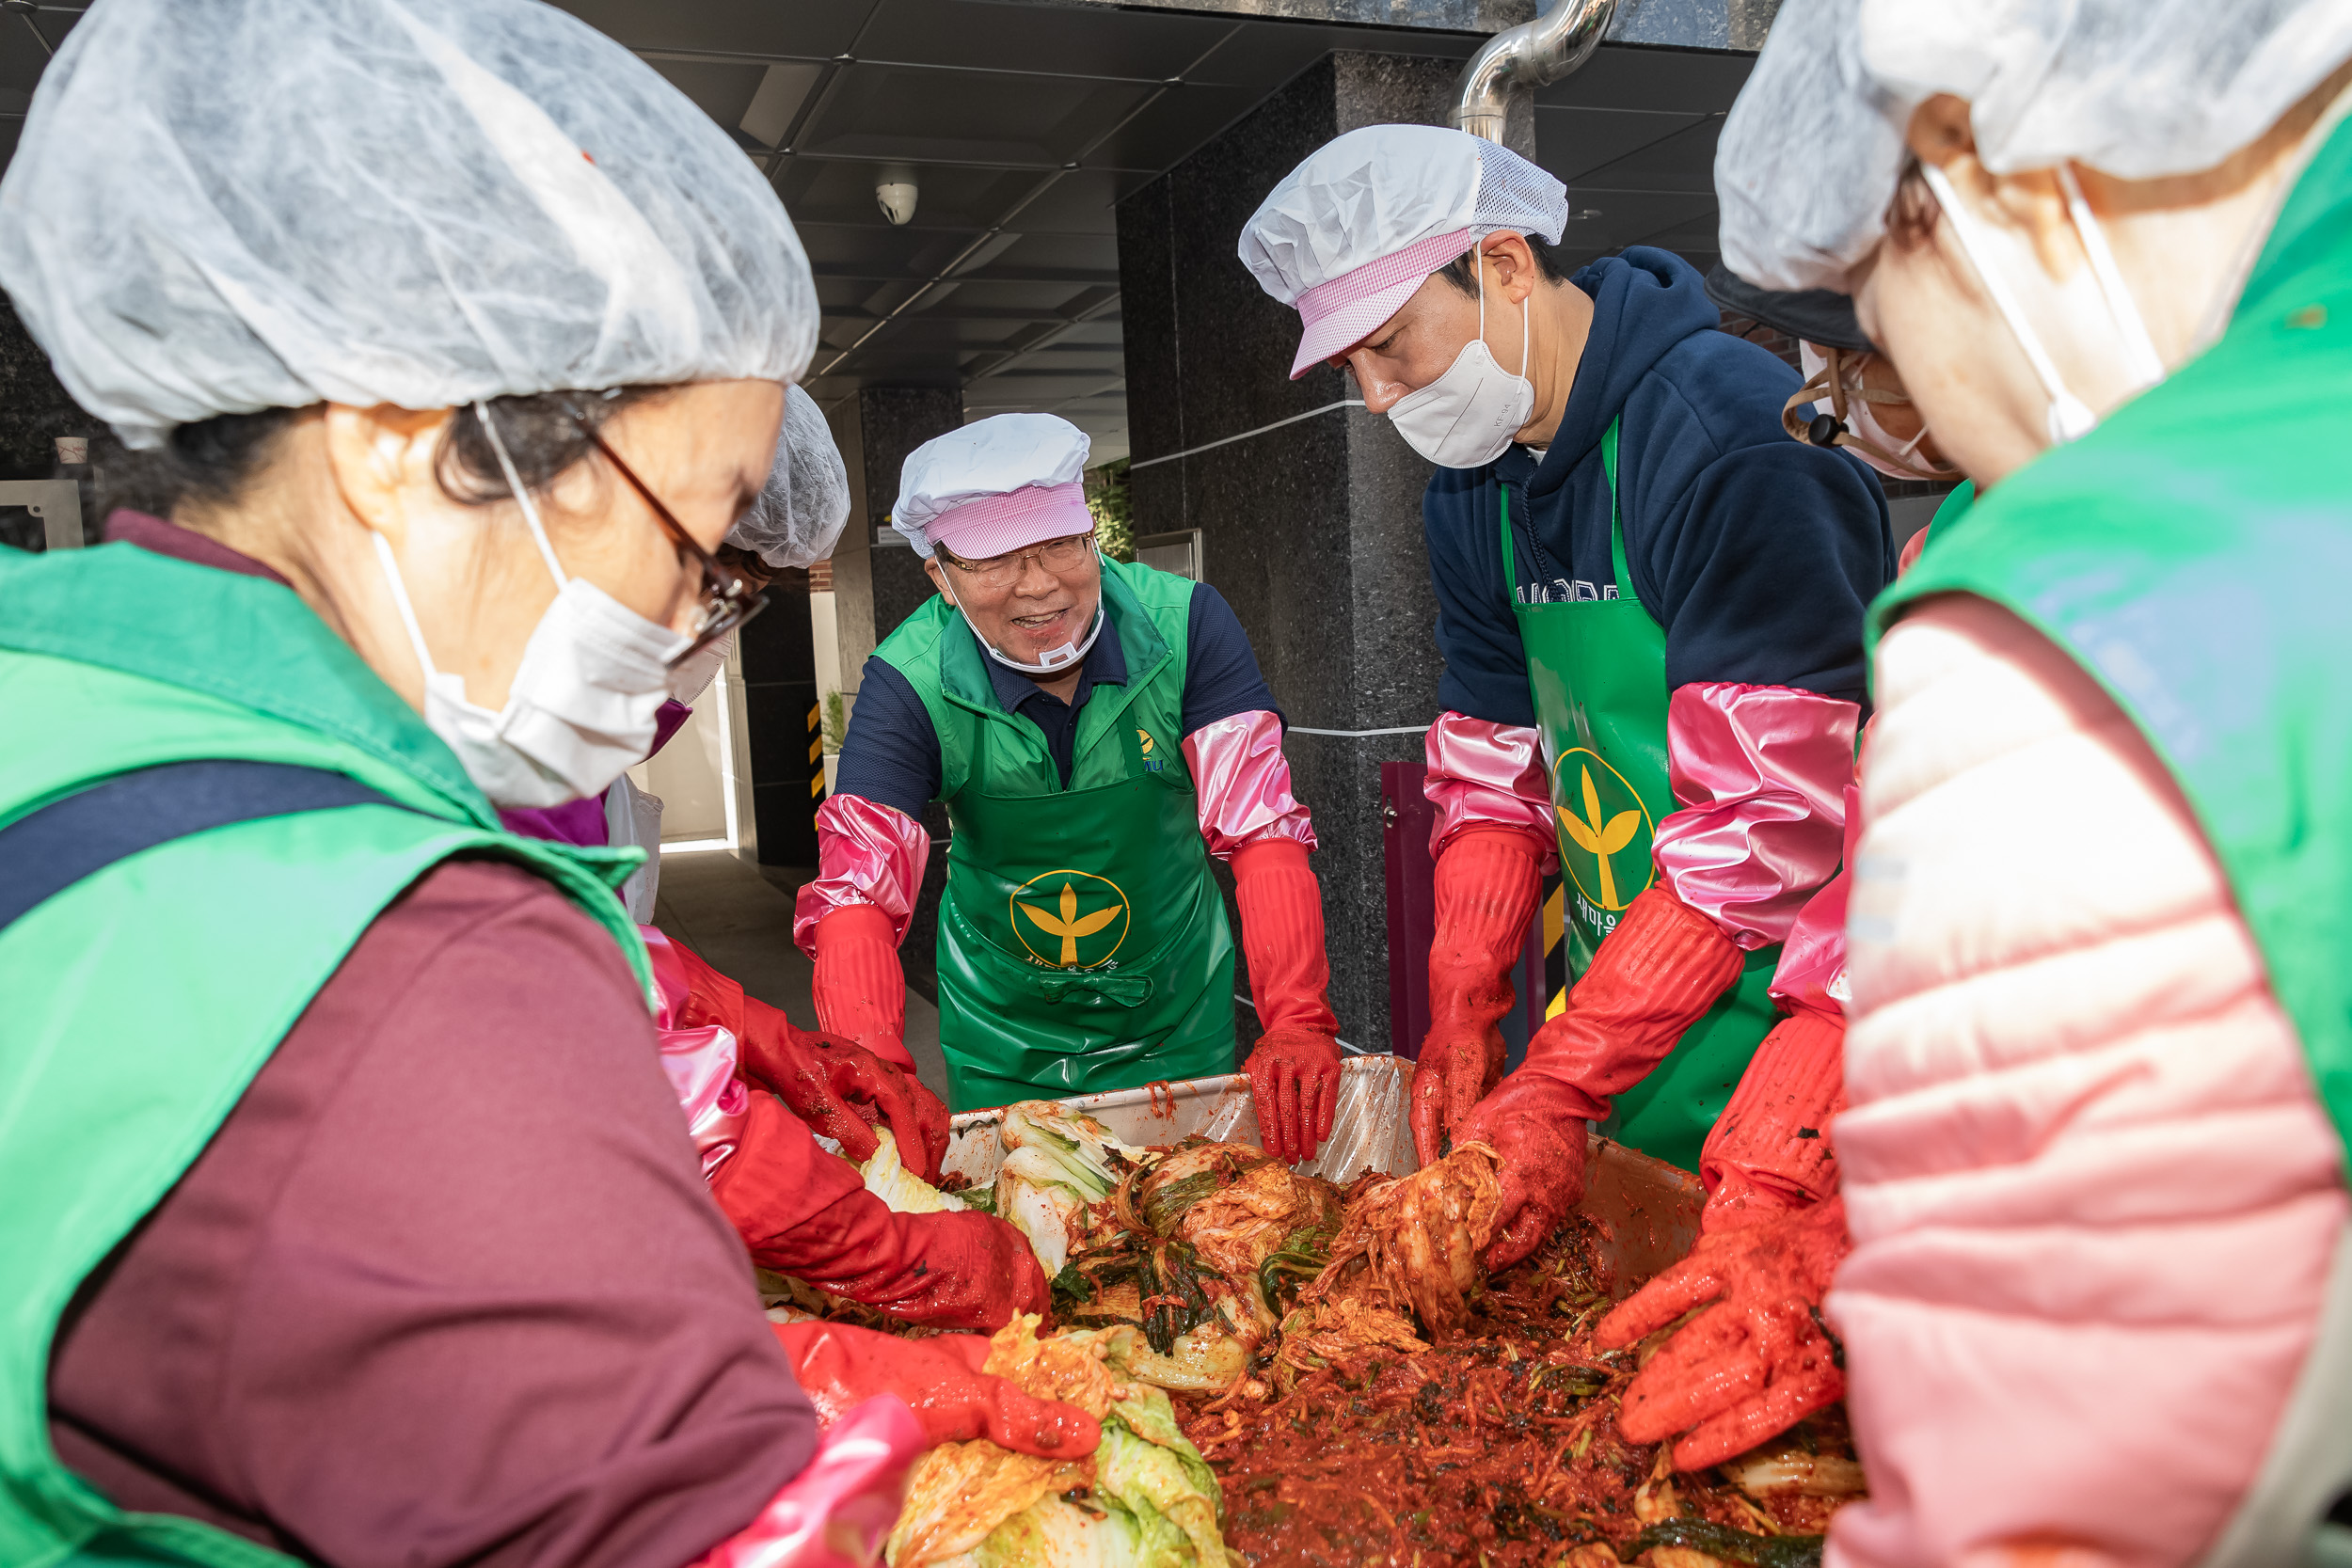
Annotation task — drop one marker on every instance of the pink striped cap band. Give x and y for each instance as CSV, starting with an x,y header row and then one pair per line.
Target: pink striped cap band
x,y
1350,307
991,525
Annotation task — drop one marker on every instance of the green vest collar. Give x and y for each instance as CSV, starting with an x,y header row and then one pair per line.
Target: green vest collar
x,y
963,667
244,640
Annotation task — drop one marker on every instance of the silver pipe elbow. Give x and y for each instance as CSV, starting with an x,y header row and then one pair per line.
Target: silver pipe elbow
x,y
1525,57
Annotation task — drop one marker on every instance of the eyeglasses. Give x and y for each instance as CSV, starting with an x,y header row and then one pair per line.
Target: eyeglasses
x,y
1002,570
727,599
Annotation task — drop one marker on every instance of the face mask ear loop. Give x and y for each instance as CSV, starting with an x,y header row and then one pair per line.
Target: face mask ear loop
x,y
400,601
2148,367
522,496
2069,419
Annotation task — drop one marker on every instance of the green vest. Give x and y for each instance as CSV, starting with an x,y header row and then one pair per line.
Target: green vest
x,y
1083,944
2193,554
142,1000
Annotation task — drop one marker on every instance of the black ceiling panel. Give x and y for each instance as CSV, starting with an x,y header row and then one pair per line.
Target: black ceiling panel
x,y
1066,40
818,29
1573,142
881,111
1628,76
1684,161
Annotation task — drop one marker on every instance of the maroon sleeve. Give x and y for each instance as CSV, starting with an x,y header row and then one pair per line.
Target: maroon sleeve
x,y
447,1287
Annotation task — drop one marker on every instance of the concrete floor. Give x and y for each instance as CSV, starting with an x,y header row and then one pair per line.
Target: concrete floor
x,y
740,923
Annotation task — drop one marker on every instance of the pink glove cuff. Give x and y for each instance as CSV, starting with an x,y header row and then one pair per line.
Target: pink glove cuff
x,y
700,1063
867,853
1488,775
1760,774
839,1510
1244,782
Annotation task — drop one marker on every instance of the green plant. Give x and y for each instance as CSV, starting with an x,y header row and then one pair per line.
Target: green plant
x,y
836,722
1107,500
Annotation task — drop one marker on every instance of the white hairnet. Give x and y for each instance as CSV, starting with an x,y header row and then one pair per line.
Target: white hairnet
x,y
1812,151
995,456
1413,196
222,208
806,499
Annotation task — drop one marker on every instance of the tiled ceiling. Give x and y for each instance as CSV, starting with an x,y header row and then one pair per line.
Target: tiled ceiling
x,y
1022,126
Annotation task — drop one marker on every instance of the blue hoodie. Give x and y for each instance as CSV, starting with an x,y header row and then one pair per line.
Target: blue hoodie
x,y
1757,553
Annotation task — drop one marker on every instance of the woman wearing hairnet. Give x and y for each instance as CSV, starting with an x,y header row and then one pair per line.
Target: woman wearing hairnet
x,y
1099,730
800,1209
1650,604
349,1213
2099,1305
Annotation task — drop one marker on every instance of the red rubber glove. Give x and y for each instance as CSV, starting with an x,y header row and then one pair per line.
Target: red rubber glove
x,y
1486,883
1769,1153
1295,1068
1653,977
860,991
1756,1362
841,1367
839,1088
805,1213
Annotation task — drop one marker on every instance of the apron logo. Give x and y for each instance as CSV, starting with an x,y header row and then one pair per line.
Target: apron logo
x,y
1606,829
1065,920
1150,763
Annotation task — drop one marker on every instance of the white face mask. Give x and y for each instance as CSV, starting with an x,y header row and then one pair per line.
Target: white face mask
x,y
1054,660
1467,417
581,706
2069,418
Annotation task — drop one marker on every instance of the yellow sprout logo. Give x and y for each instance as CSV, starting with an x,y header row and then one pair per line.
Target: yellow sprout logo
x,y
1145,736
1605,830
1085,906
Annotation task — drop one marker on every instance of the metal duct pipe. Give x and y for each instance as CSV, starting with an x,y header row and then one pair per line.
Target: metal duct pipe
x,y
1525,57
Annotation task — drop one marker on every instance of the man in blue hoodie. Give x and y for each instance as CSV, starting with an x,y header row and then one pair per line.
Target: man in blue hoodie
x,y
1651,609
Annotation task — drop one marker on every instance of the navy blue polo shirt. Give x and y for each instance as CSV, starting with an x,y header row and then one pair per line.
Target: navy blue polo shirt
x,y
891,754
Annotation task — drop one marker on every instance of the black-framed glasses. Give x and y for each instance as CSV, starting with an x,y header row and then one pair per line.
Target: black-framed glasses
x,y
727,600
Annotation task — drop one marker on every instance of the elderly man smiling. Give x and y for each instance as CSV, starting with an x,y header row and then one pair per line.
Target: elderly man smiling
x,y
1098,732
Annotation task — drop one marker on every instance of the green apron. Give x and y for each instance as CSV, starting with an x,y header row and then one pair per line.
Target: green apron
x,y
142,999
1597,668
1083,944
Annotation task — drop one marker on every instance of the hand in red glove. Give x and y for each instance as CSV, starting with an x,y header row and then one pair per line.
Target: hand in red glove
x,y
1653,977
1756,1362
941,1380
1294,1069
805,1213
1769,1153
1486,883
839,1088
1295,1079
859,989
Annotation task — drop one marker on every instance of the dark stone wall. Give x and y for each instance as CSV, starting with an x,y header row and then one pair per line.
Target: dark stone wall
x,y
779,688
893,421
1313,531
35,408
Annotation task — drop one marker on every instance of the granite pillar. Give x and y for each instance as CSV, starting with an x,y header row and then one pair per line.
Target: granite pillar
x,y
1312,530
892,422
779,692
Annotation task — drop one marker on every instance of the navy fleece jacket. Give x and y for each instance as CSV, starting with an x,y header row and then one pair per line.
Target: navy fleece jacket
x,y
1756,553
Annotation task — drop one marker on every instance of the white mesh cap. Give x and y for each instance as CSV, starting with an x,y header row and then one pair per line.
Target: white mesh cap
x,y
800,508
1350,233
997,484
222,208
1812,151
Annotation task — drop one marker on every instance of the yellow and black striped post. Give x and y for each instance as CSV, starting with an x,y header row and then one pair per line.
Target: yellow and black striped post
x,y
816,756
1556,975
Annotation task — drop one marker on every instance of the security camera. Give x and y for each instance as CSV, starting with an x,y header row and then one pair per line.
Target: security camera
x,y
894,193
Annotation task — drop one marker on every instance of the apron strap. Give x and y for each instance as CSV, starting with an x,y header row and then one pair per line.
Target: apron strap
x,y
1617,524
1616,530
